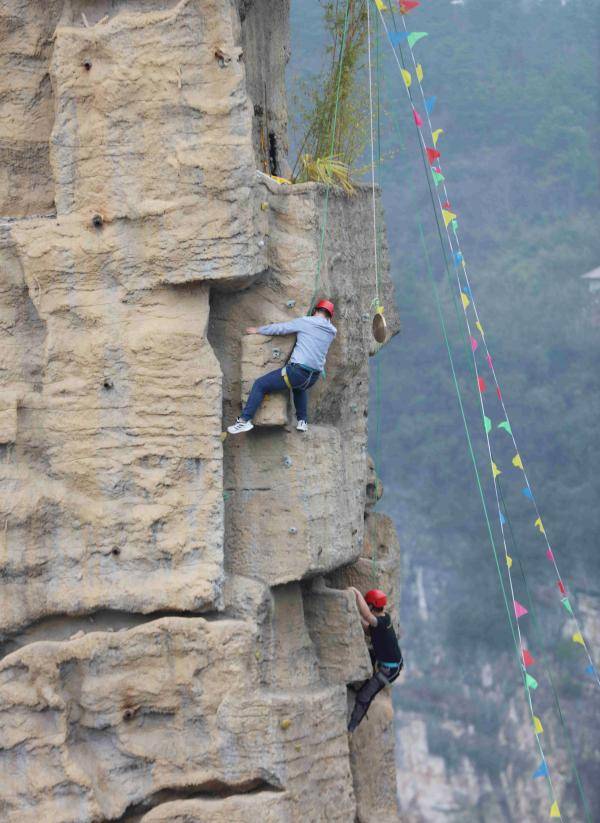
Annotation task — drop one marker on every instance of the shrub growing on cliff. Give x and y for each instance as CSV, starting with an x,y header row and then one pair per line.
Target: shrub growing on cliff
x,y
323,156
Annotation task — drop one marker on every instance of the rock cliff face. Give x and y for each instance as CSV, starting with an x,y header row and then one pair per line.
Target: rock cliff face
x,y
176,640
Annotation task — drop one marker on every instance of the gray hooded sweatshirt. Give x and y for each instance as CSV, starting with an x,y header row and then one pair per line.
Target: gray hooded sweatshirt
x,y
314,337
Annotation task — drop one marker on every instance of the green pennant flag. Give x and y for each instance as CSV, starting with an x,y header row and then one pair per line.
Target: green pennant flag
x,y
506,426
487,423
415,36
454,225
531,681
437,177
567,605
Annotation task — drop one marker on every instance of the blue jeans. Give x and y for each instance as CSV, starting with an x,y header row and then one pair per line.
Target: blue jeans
x,y
301,381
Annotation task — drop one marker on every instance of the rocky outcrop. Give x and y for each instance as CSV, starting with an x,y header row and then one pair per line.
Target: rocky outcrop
x,y
172,647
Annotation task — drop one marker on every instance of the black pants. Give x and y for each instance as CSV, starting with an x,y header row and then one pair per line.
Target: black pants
x,y
369,689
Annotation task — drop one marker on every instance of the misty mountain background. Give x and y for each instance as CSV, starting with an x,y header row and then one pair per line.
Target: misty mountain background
x,y
517,96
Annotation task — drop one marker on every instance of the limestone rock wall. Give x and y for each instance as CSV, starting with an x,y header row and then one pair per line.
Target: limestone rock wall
x,y
171,647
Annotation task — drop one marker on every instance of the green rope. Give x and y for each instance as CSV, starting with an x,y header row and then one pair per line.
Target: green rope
x,y
538,637
480,487
333,128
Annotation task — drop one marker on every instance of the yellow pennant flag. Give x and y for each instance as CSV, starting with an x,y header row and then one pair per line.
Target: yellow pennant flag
x,y
406,77
516,461
381,5
448,216
465,300
577,638
537,725
435,134
554,810
508,561
495,470
479,328
539,525
420,78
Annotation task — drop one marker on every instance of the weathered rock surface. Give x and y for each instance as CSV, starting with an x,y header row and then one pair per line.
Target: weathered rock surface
x,y
170,649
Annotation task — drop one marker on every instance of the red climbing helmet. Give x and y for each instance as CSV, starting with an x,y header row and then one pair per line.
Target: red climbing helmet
x,y
376,598
327,305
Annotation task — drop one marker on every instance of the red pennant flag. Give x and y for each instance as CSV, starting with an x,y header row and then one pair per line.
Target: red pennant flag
x,y
417,117
446,205
432,155
561,587
481,384
527,658
499,393
407,5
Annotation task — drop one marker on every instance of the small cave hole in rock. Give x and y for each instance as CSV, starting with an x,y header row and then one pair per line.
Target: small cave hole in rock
x,y
115,551
97,221
87,64
273,153
108,384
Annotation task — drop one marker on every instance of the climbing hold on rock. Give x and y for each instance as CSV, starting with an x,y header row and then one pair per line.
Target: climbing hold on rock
x,y
276,354
290,304
108,383
223,436
87,64
287,461
261,243
115,551
285,723
293,530
264,205
222,58
97,221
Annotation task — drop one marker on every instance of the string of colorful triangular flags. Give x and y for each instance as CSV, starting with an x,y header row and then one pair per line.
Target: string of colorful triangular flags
x,y
450,220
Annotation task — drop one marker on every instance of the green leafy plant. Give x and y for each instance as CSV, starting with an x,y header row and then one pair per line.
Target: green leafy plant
x,y
326,156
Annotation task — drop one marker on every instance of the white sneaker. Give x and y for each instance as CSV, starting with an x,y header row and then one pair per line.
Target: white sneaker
x,y
302,426
240,426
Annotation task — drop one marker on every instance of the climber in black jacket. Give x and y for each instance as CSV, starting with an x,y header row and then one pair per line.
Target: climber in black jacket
x,y
386,654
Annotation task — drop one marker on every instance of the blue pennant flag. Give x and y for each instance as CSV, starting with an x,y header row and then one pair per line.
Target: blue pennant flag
x,y
396,37
467,290
527,492
591,670
542,770
458,257
429,104
502,519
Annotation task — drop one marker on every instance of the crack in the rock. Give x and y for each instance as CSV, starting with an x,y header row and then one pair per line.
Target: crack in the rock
x,y
213,789
61,627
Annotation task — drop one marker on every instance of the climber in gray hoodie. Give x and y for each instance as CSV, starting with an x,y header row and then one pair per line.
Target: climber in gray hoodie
x,y
315,335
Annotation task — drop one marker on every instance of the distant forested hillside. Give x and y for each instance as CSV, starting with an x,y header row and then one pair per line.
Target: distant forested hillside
x,y
517,96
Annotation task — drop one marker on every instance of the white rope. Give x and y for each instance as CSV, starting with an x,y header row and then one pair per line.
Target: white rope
x,y
372,155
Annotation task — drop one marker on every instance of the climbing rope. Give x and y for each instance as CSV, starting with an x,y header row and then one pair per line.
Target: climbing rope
x,y
520,646
468,298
